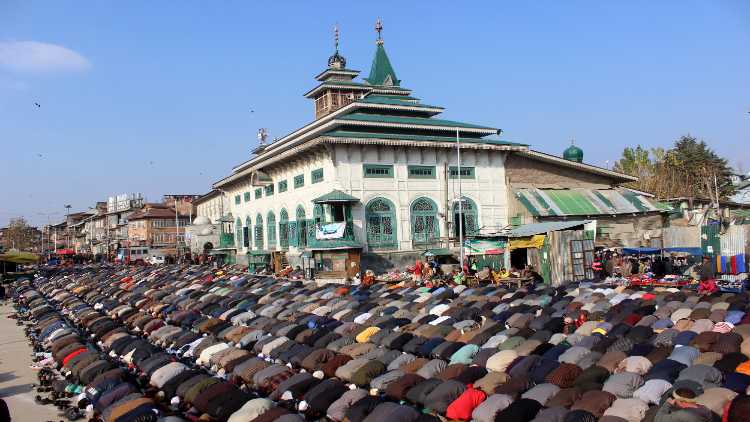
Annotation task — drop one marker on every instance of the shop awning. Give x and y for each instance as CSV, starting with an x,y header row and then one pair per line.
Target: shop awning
x,y
484,246
536,241
583,202
335,196
640,251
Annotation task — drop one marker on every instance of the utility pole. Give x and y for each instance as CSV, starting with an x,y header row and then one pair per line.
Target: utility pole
x,y
460,201
67,226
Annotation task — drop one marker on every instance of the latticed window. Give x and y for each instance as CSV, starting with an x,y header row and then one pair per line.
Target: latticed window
x,y
299,181
246,232
269,190
316,176
424,224
469,214
258,193
301,227
271,223
237,199
378,170
318,214
238,232
466,172
284,229
282,186
258,232
421,172
381,224
247,196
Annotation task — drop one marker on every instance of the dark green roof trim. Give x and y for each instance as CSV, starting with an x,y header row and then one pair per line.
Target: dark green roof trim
x,y
335,244
335,196
371,135
381,71
380,118
378,99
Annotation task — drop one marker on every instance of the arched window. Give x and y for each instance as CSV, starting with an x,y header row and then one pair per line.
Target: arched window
x,y
271,224
259,232
283,229
470,217
246,231
424,222
301,227
380,215
238,233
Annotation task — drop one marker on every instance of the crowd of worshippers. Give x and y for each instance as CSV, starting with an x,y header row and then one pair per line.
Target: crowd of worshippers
x,y
182,343
610,263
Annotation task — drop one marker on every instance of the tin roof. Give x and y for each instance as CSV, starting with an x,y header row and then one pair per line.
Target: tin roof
x,y
583,202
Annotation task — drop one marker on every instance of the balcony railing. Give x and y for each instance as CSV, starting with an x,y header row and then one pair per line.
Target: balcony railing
x,y
313,242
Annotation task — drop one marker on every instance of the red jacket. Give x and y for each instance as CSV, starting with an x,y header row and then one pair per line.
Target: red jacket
x,y
464,405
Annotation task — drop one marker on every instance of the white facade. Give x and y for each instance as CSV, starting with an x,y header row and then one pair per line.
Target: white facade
x,y
343,169
212,207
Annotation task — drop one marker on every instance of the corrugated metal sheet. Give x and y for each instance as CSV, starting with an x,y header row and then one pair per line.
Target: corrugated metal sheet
x,y
682,237
733,241
559,256
710,240
581,202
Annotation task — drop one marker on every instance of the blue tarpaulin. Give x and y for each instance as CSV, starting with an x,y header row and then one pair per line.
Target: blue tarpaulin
x,y
688,250
640,251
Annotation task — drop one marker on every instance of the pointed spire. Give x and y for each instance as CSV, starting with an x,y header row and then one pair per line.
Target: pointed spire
x,y
337,61
381,72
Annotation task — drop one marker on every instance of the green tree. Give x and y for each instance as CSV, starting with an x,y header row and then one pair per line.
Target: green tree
x,y
689,169
692,169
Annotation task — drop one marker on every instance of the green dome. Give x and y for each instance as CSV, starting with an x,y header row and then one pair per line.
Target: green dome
x,y
573,153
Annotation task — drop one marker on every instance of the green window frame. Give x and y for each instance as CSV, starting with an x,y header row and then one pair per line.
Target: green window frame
x,y
282,186
258,193
377,171
269,190
299,181
466,172
237,199
246,196
380,215
271,230
284,229
421,172
316,176
259,232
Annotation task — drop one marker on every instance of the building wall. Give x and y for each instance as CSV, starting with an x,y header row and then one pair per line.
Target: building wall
x,y
525,171
211,208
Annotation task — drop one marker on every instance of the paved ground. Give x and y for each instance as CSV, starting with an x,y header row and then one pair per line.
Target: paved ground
x,y
16,378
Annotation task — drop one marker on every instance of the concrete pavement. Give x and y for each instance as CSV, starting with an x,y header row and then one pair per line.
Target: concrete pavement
x,y
16,378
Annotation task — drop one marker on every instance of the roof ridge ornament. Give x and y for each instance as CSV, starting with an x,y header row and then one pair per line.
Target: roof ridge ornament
x,y
336,61
379,30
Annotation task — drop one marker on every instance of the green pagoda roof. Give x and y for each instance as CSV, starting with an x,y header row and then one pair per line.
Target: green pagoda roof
x,y
335,196
427,138
380,118
381,72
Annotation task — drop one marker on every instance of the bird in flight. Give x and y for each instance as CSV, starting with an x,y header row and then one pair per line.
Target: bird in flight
x,y
252,111
38,105
39,155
